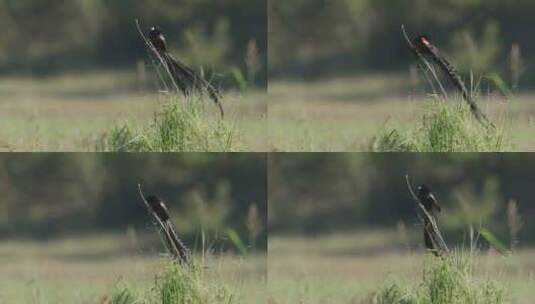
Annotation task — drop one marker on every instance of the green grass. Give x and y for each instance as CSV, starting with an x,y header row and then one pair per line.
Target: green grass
x,y
451,280
444,127
181,126
177,285
116,269
354,267
70,112
343,114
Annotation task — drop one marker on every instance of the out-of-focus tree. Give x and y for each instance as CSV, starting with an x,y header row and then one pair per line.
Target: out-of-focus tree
x,y
319,193
315,38
44,37
47,195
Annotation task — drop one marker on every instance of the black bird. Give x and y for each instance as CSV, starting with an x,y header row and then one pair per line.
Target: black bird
x,y
428,200
185,78
431,205
157,39
160,209
423,44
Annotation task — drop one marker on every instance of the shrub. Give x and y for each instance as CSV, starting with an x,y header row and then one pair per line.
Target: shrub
x,y
178,127
450,280
445,127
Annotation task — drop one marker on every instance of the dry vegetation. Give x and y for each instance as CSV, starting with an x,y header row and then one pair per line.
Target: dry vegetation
x,y
347,267
71,112
89,269
345,113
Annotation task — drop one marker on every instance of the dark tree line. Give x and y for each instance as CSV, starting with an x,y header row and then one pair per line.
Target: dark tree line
x,y
42,38
50,195
321,193
316,38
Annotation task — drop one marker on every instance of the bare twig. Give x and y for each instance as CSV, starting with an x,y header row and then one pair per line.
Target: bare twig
x,y
431,228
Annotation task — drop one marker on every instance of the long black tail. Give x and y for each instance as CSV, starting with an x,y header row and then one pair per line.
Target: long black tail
x,y
455,78
187,80
184,254
429,241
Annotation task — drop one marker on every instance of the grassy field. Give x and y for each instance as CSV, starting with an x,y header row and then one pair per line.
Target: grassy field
x,y
345,113
89,269
71,112
345,268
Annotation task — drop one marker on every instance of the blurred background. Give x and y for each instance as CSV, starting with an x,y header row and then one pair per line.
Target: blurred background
x,y
72,225
340,69
359,191
42,39
48,196
340,224
83,64
315,38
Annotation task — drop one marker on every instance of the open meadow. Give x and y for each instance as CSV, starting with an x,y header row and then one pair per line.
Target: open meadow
x,y
90,269
345,113
72,112
346,268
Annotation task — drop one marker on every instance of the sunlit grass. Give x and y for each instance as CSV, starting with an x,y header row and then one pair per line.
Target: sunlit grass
x,y
342,114
348,268
179,126
451,280
69,113
113,269
444,127
177,284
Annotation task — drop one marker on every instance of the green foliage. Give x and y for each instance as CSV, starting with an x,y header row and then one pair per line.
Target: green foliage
x,y
236,241
178,285
444,128
122,295
451,280
62,35
476,55
494,241
347,35
239,79
179,127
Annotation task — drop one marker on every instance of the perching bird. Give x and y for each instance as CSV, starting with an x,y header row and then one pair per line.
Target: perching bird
x,y
431,205
185,78
161,211
428,200
423,44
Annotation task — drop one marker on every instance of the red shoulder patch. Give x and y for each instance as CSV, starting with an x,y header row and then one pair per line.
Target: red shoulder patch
x,y
425,41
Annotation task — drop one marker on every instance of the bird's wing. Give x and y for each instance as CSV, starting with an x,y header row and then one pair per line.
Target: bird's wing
x,y
434,202
164,207
185,73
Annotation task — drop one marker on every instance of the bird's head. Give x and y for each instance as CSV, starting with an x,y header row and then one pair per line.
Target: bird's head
x,y
156,34
154,31
423,190
422,42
